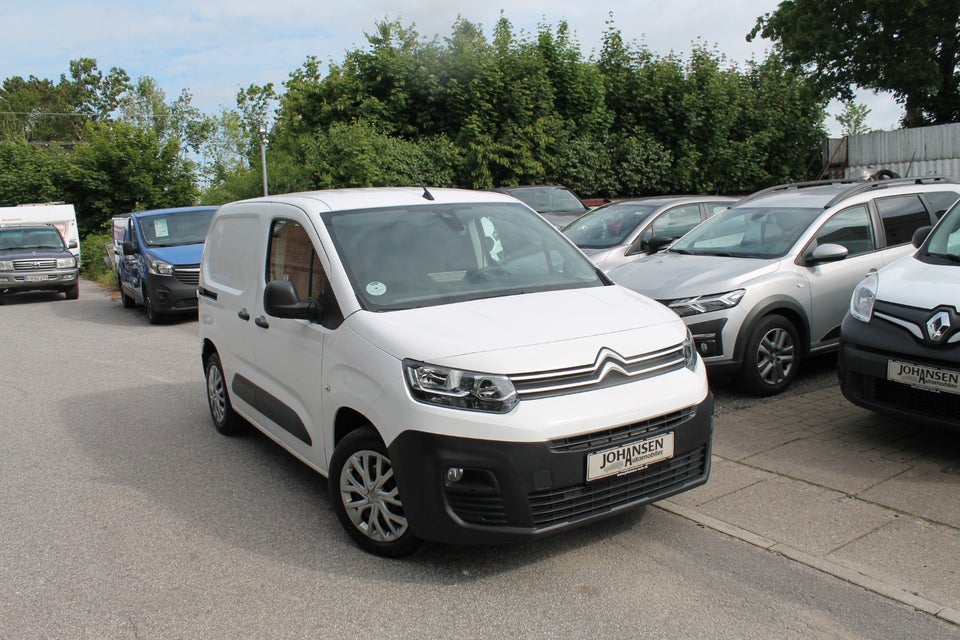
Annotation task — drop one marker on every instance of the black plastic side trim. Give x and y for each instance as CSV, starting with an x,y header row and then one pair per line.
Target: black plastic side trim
x,y
285,417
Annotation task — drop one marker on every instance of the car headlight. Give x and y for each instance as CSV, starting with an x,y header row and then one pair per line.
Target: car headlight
x,y
459,389
159,267
66,263
705,303
689,352
6,265
861,303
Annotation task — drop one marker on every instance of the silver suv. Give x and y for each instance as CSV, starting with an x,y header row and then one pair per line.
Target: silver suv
x,y
767,282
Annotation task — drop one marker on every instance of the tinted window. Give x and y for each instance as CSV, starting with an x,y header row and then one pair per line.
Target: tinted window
x,y
609,225
849,228
901,216
940,201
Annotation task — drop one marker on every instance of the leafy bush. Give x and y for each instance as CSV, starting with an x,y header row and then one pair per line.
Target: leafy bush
x,y
96,263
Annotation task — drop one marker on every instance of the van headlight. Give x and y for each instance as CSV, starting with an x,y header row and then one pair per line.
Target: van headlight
x,y
689,352
459,389
861,303
706,303
159,267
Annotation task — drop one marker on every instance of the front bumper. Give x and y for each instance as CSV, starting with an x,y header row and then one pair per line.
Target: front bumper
x,y
513,491
865,350
57,280
176,293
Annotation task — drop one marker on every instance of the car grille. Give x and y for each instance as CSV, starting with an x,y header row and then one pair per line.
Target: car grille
x,y
34,265
588,499
608,369
896,396
187,275
607,438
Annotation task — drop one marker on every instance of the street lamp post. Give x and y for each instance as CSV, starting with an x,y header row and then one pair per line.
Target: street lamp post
x,y
263,154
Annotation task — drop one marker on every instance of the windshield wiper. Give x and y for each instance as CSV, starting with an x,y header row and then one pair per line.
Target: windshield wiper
x,y
946,256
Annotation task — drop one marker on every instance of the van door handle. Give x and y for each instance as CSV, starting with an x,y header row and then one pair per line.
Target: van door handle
x,y
243,314
260,321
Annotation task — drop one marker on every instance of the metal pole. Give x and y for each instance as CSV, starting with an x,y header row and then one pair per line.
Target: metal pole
x,y
263,154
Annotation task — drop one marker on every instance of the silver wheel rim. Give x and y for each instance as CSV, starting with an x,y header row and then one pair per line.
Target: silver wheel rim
x,y
370,497
217,394
775,355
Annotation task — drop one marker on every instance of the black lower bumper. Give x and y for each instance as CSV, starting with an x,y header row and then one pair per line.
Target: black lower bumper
x,y
169,295
516,491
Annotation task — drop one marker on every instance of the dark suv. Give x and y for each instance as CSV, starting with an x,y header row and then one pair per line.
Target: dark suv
x,y
34,257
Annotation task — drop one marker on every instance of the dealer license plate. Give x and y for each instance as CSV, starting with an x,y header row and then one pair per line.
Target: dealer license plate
x,y
924,377
630,457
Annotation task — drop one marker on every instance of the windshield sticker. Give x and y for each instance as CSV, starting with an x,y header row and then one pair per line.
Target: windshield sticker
x,y
160,228
376,288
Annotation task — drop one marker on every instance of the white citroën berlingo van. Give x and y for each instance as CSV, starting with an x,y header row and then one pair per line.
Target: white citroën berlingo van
x,y
450,361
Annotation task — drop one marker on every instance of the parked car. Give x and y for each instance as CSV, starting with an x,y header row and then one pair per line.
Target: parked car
x,y
34,257
159,260
622,231
559,205
767,282
381,337
900,341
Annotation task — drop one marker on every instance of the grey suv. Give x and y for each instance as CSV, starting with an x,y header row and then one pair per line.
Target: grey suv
x,y
34,257
767,282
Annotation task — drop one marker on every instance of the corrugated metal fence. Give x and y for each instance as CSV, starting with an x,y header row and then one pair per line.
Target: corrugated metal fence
x,y
920,151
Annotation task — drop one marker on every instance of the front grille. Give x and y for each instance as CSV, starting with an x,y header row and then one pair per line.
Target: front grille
x,y
478,508
187,275
34,265
608,369
606,438
903,397
589,499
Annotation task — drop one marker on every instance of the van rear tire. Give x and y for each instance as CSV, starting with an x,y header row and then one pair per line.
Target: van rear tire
x,y
225,419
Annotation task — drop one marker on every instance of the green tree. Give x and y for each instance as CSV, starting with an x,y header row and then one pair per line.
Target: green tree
x,y
853,118
911,49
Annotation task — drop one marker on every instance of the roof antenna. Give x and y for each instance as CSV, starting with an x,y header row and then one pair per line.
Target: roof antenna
x,y
426,195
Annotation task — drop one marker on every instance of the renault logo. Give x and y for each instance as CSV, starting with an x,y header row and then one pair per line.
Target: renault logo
x,y
937,326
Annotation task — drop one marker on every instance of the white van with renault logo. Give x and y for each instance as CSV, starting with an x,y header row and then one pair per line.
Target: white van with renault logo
x,y
457,368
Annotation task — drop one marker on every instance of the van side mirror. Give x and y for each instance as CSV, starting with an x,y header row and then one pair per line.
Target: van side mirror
x,y
129,248
920,235
280,300
72,244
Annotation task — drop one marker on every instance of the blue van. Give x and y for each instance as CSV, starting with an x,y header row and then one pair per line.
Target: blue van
x,y
158,263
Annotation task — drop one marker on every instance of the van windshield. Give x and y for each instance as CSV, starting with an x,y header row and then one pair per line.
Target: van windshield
x,y
401,258
748,232
174,229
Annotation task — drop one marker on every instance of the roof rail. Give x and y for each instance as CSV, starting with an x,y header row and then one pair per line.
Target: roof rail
x,y
858,185
871,185
797,186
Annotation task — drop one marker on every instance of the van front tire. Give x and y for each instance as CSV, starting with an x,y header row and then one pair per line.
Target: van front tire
x,y
365,496
225,419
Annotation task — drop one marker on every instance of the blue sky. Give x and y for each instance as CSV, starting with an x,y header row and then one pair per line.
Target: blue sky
x,y
213,48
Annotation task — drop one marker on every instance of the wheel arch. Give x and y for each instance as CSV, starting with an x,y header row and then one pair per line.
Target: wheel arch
x,y
783,306
348,420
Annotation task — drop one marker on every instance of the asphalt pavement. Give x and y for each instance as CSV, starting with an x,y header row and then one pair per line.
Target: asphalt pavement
x,y
870,499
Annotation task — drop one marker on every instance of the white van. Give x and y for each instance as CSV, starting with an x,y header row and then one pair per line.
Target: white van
x,y
458,369
62,216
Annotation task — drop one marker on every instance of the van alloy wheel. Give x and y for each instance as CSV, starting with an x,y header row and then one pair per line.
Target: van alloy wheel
x,y
224,419
366,498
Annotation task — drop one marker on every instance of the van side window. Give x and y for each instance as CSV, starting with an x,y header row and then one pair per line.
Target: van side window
x,y
291,257
850,228
901,216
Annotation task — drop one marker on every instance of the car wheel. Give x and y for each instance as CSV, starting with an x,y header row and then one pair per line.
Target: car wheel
x,y
154,316
73,292
365,497
225,419
771,358
127,301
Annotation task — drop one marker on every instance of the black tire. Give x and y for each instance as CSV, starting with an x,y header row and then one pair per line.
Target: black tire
x,y
224,417
127,301
771,357
73,292
153,316
365,497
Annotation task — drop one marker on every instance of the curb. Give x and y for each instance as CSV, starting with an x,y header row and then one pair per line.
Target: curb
x,y
879,587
